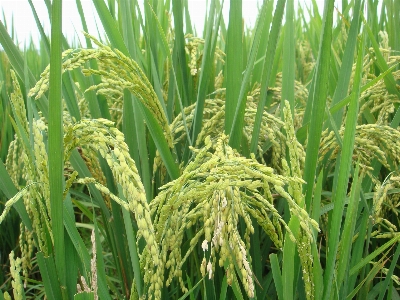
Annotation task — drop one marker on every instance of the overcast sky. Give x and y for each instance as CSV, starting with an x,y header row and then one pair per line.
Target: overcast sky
x,y
25,24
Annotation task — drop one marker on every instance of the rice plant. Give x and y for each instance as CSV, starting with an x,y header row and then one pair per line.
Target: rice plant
x,y
243,163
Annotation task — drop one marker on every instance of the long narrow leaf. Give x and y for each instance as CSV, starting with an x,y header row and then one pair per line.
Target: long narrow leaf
x,y
277,276
318,102
389,274
235,135
340,189
267,71
347,62
49,276
288,64
348,229
233,62
56,164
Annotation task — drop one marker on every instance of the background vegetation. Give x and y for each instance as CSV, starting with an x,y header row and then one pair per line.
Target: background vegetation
x,y
248,163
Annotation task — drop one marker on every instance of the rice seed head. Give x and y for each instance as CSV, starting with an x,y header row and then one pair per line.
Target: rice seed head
x,y
15,269
118,72
100,135
217,189
18,104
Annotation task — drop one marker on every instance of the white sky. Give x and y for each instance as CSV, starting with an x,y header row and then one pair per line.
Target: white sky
x,y
25,25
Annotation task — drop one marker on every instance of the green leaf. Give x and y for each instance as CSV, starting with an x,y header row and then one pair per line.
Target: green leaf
x,y
340,185
374,254
224,288
289,268
236,288
233,66
110,26
388,279
103,290
238,119
49,276
371,275
180,63
56,163
133,251
347,62
161,143
267,71
348,230
43,36
315,214
190,292
381,63
206,66
317,101
277,275
288,64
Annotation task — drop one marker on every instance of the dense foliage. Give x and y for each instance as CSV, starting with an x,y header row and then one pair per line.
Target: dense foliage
x,y
152,163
